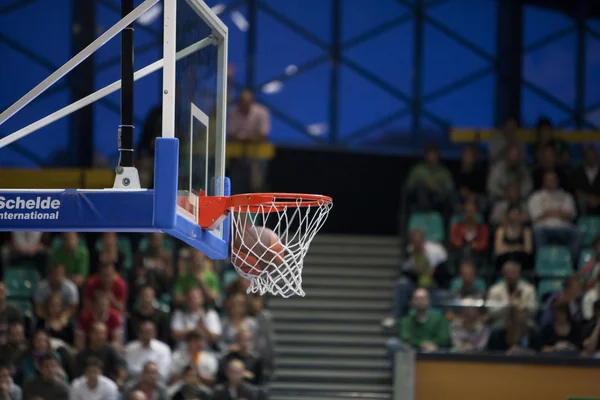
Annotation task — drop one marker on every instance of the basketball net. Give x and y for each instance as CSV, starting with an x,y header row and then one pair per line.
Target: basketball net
x,y
295,227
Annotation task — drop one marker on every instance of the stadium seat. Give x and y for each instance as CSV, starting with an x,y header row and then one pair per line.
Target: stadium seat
x,y
124,245
590,228
553,262
431,223
548,286
21,282
584,256
22,305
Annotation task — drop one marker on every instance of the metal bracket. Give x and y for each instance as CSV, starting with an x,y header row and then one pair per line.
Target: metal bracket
x,y
127,178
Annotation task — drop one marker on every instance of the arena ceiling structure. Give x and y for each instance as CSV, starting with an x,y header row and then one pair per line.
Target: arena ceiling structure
x,y
334,73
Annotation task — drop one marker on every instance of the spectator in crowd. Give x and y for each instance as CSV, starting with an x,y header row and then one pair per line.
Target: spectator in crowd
x,y
152,267
195,270
421,269
516,336
196,317
249,122
56,322
113,366
147,349
429,183
107,280
513,241
93,385
591,333
236,318
509,137
145,310
31,362
468,331
203,362
26,247
192,387
469,237
149,384
570,295
546,138
548,163
470,179
242,350
510,169
8,389
236,387
56,283
74,256
8,315
47,385
15,346
109,252
99,312
423,328
264,337
552,212
586,182
590,271
512,199
511,292
467,284
589,299
562,335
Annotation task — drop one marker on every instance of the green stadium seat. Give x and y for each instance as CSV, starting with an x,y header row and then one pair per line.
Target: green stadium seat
x,y
553,262
431,223
124,245
20,282
22,305
548,286
584,256
590,228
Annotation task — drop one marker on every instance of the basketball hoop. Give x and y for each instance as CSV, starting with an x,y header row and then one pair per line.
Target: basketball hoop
x,y
272,263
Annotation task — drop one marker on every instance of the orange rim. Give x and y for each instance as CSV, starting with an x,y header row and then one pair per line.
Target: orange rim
x,y
256,202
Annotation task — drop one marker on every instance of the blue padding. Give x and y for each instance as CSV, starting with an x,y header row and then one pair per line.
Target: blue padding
x,y
166,159
206,242
75,210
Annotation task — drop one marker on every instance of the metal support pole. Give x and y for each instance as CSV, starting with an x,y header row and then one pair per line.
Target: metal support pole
x,y
579,115
251,45
419,11
126,135
334,75
81,83
509,59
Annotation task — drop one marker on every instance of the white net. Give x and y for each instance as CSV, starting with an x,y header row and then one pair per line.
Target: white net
x,y
269,242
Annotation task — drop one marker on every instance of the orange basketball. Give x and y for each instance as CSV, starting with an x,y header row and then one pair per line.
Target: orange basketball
x,y
256,249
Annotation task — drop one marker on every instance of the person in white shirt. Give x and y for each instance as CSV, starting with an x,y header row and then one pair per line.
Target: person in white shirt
x,y
93,385
147,349
552,212
249,123
194,355
511,291
195,317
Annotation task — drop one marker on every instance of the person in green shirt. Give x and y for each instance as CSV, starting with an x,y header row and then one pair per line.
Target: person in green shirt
x,y
74,256
429,183
545,137
424,328
195,270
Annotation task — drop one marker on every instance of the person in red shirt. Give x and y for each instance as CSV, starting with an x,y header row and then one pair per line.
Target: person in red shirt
x,y
100,311
469,236
106,280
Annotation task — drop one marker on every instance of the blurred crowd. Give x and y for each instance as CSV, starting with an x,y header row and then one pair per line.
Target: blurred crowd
x,y
140,316
502,256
